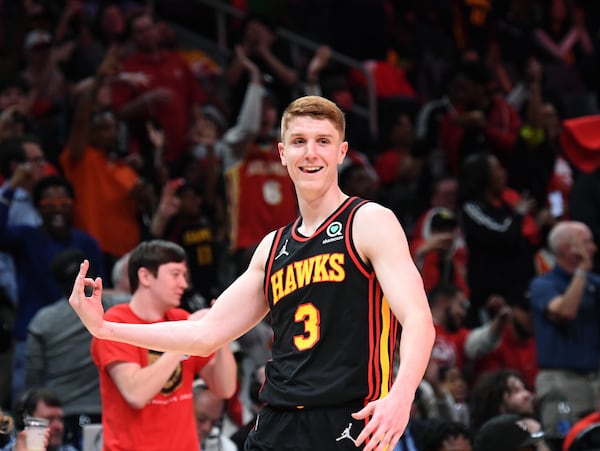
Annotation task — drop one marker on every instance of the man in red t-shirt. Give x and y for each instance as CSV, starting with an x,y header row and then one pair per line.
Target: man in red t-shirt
x,y
169,94
454,343
147,395
516,350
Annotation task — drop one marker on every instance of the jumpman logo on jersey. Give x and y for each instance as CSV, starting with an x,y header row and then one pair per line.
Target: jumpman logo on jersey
x,y
346,434
283,250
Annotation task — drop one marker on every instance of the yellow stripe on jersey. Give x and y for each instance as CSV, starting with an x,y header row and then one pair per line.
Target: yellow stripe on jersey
x,y
384,347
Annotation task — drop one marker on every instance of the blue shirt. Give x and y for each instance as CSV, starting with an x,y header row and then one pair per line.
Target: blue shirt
x,y
21,212
572,345
33,250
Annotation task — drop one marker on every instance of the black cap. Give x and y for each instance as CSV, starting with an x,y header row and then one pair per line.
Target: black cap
x,y
443,220
505,433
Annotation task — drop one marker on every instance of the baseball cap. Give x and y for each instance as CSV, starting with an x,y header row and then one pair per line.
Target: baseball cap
x,y
443,219
506,432
37,38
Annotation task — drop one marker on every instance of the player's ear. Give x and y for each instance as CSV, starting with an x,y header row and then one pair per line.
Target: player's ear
x,y
343,152
281,149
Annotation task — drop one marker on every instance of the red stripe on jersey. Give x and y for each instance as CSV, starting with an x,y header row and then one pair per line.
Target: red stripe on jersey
x,y
351,251
372,343
377,338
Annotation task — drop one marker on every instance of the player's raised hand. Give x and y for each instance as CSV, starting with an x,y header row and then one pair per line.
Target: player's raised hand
x,y
88,308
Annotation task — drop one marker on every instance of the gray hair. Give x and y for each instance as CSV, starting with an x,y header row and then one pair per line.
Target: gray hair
x,y
119,270
561,233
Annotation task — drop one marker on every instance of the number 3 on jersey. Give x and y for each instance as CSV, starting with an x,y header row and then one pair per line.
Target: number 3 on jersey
x,y
311,317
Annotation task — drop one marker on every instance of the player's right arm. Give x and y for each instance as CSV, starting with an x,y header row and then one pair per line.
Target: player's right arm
x,y
237,310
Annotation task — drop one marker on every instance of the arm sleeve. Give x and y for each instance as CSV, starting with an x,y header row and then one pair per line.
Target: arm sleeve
x,y
248,121
10,236
481,341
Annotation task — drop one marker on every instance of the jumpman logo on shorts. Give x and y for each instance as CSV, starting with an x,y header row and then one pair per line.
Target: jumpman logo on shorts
x,y
283,250
346,434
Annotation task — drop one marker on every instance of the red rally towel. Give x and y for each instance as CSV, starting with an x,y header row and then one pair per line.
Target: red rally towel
x,y
580,140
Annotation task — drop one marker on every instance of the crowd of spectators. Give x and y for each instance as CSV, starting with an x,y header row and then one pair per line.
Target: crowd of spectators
x,y
114,130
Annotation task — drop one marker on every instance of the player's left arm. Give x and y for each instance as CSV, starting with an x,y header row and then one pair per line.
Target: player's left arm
x,y
380,240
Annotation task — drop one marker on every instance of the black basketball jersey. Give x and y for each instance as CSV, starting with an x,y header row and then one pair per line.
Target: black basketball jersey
x,y
334,332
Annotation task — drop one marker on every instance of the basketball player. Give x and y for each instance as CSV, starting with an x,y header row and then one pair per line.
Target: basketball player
x,y
323,278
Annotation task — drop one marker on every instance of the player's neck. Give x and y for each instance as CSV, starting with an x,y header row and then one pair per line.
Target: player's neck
x,y
317,209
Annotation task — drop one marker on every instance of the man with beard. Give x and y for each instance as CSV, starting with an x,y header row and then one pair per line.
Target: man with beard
x,y
34,247
454,343
503,392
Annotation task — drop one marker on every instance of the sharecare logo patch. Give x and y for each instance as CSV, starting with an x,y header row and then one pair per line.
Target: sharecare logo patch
x,y
334,231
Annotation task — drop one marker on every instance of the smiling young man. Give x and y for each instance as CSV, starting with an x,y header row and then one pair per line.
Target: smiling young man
x,y
146,394
329,384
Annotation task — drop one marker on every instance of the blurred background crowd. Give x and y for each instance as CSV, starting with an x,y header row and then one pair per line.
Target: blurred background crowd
x,y
474,121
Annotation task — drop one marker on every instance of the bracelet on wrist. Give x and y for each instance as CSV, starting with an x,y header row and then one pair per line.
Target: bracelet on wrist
x,y
580,272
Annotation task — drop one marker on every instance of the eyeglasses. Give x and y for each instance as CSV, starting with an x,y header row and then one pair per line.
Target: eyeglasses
x,y
58,202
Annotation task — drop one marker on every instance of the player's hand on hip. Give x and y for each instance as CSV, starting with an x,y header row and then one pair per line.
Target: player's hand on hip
x,y
387,421
88,308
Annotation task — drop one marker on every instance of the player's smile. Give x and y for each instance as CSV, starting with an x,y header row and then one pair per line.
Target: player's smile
x,y
311,169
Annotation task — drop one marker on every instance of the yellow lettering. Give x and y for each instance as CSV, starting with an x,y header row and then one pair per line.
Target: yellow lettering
x,y
290,281
204,255
277,286
320,268
304,271
197,236
321,274
337,273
